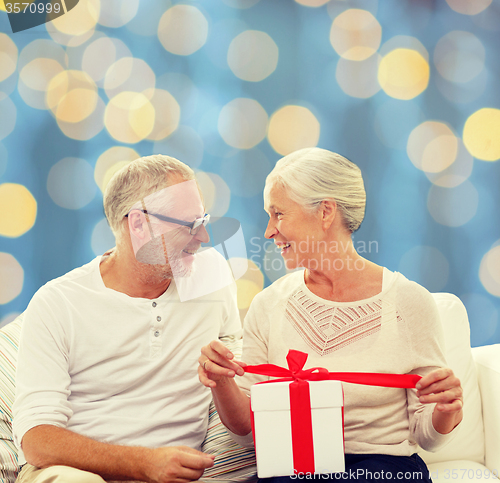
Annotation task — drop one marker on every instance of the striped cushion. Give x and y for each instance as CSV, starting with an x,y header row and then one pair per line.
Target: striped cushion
x,y
9,342
231,459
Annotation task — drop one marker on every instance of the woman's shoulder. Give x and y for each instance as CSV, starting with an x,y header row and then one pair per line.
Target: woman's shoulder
x,y
410,297
280,290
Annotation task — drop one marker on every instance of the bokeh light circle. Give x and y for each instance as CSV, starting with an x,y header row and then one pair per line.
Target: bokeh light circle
x,y
312,3
8,57
469,7
70,183
88,127
37,74
117,13
459,56
216,193
8,115
358,78
249,284
243,123
355,34
111,161
489,271
34,80
292,128
427,266
432,146
100,55
42,49
457,172
18,208
167,114
129,74
129,117
453,206
72,96
77,25
252,56
183,30
39,62
11,278
482,134
403,73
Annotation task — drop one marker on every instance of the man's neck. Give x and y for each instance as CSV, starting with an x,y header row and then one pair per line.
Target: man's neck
x,y
126,275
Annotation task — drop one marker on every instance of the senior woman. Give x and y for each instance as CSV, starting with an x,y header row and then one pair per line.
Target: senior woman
x,y
348,314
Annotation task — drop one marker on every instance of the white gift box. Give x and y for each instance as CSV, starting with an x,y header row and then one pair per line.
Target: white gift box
x,y
270,403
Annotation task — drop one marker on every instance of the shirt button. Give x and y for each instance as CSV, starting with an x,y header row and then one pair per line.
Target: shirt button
x,y
157,333
154,304
158,318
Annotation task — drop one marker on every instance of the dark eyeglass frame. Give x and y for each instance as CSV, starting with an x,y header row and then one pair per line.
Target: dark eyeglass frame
x,y
194,226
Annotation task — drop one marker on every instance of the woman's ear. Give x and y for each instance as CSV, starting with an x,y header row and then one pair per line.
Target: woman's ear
x,y
328,212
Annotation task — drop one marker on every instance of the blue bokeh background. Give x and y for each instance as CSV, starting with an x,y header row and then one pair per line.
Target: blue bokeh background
x,y
443,255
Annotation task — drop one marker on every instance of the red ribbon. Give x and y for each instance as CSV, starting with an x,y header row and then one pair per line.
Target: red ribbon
x,y
300,402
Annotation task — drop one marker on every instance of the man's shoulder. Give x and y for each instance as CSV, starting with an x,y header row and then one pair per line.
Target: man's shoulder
x,y
79,276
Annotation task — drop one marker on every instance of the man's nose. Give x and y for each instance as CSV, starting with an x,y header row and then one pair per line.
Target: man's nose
x,y
202,235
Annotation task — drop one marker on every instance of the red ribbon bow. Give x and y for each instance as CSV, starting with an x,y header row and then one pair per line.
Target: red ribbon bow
x,y
296,361
300,401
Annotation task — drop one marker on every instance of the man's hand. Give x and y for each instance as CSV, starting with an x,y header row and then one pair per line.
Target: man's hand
x,y
442,387
177,464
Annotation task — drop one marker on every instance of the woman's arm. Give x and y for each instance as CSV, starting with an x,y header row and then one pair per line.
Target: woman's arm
x,y
441,386
217,371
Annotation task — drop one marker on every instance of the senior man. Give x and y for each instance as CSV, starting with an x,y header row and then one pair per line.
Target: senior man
x,y
107,385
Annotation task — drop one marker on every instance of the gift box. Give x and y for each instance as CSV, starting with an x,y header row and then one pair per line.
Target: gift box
x,y
288,444
297,420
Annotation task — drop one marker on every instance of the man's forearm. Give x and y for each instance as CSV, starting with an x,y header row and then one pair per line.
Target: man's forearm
x,y
47,445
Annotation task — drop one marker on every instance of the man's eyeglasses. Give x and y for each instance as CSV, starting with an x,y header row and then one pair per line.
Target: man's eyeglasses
x,y
194,226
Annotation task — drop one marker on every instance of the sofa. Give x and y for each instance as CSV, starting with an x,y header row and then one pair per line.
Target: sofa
x,y
474,453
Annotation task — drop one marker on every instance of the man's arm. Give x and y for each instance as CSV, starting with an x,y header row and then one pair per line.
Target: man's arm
x,y
47,445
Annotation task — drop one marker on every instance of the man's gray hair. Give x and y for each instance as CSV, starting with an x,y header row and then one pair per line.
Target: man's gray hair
x,y
312,175
139,179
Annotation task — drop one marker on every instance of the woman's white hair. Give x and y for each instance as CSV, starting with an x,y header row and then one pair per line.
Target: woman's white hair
x,y
135,181
313,175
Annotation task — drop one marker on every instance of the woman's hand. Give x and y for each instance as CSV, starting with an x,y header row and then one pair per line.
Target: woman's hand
x,y
441,386
217,363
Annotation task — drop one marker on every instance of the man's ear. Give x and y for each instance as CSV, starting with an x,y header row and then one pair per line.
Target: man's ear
x,y
137,224
328,211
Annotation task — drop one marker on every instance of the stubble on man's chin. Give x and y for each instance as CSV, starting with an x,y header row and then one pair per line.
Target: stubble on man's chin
x,y
157,273
156,266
